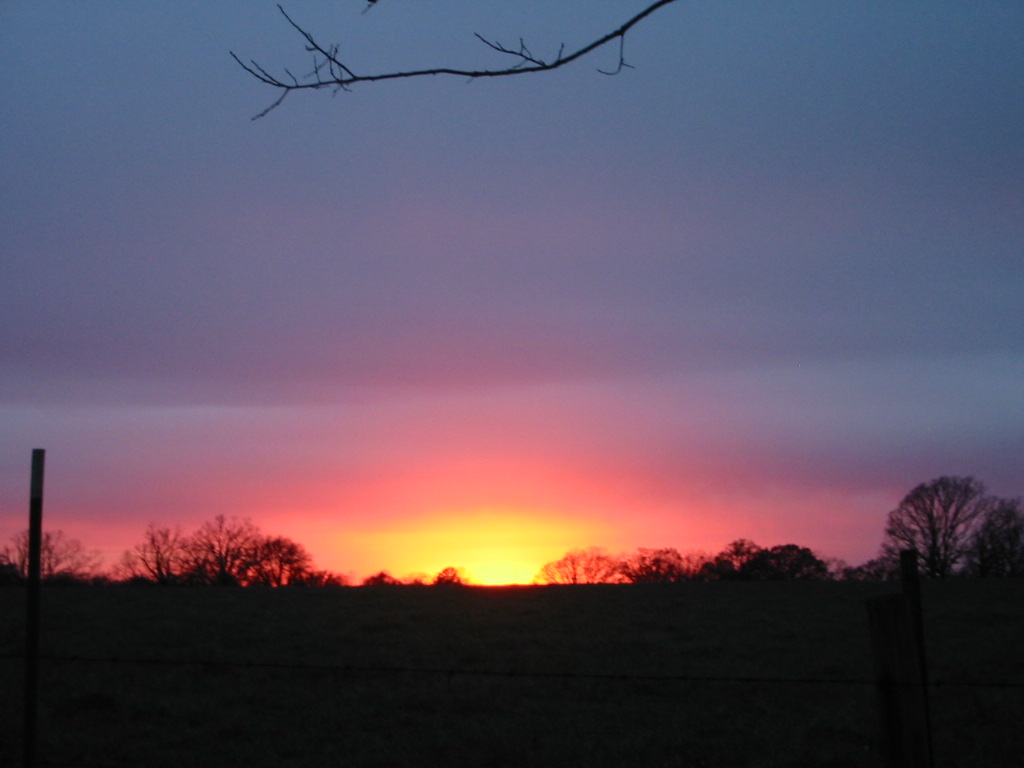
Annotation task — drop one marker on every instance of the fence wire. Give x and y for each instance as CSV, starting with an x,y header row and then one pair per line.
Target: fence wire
x,y
12,760
356,669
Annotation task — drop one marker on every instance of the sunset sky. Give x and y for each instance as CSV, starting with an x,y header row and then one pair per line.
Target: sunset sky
x,y
759,285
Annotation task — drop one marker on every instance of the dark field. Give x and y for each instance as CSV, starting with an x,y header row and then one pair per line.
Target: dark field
x,y
375,714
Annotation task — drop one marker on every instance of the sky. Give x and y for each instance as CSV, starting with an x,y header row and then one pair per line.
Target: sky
x,y
760,284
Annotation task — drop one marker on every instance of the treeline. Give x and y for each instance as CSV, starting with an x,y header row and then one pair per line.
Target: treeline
x,y
62,560
222,552
742,560
957,528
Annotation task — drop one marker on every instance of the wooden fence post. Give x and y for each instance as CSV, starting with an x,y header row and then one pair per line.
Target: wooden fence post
x,y
35,540
897,640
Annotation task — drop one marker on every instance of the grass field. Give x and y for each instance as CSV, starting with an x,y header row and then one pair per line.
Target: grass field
x,y
455,713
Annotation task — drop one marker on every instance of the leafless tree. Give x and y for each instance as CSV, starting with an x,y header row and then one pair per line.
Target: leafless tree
x,y
221,551
581,566
159,558
330,71
60,557
997,546
937,519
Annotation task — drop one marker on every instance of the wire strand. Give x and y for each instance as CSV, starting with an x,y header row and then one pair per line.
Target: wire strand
x,y
455,671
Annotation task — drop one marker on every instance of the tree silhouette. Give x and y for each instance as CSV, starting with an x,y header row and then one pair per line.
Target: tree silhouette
x,y
318,578
220,552
937,519
786,562
383,578
159,558
61,558
276,561
449,576
223,551
331,72
659,566
730,562
581,566
997,545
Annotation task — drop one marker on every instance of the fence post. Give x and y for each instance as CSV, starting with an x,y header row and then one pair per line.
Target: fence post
x,y
911,582
35,539
897,640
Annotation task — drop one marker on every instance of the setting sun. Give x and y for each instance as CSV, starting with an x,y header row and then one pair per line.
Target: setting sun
x,y
490,546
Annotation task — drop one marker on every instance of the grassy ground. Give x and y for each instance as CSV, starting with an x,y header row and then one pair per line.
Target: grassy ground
x,y
212,715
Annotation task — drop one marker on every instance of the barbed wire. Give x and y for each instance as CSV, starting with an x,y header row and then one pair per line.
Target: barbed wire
x,y
459,671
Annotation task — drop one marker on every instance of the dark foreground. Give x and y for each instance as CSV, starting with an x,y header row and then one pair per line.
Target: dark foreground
x,y
768,674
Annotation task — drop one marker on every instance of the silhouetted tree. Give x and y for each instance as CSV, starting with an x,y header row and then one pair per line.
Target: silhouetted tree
x,y
383,578
647,566
159,558
729,563
786,562
449,576
329,71
220,552
276,561
581,566
996,547
937,519
317,578
61,558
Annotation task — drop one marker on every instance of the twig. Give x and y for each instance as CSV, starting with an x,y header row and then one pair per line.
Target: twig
x,y
330,72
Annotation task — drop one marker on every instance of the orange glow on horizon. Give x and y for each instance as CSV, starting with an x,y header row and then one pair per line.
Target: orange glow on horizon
x,y
490,547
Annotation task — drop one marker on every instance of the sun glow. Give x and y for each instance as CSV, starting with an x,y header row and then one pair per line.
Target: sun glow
x,y
491,547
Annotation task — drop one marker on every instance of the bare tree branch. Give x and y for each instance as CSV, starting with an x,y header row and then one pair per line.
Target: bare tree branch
x,y
330,72
622,59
